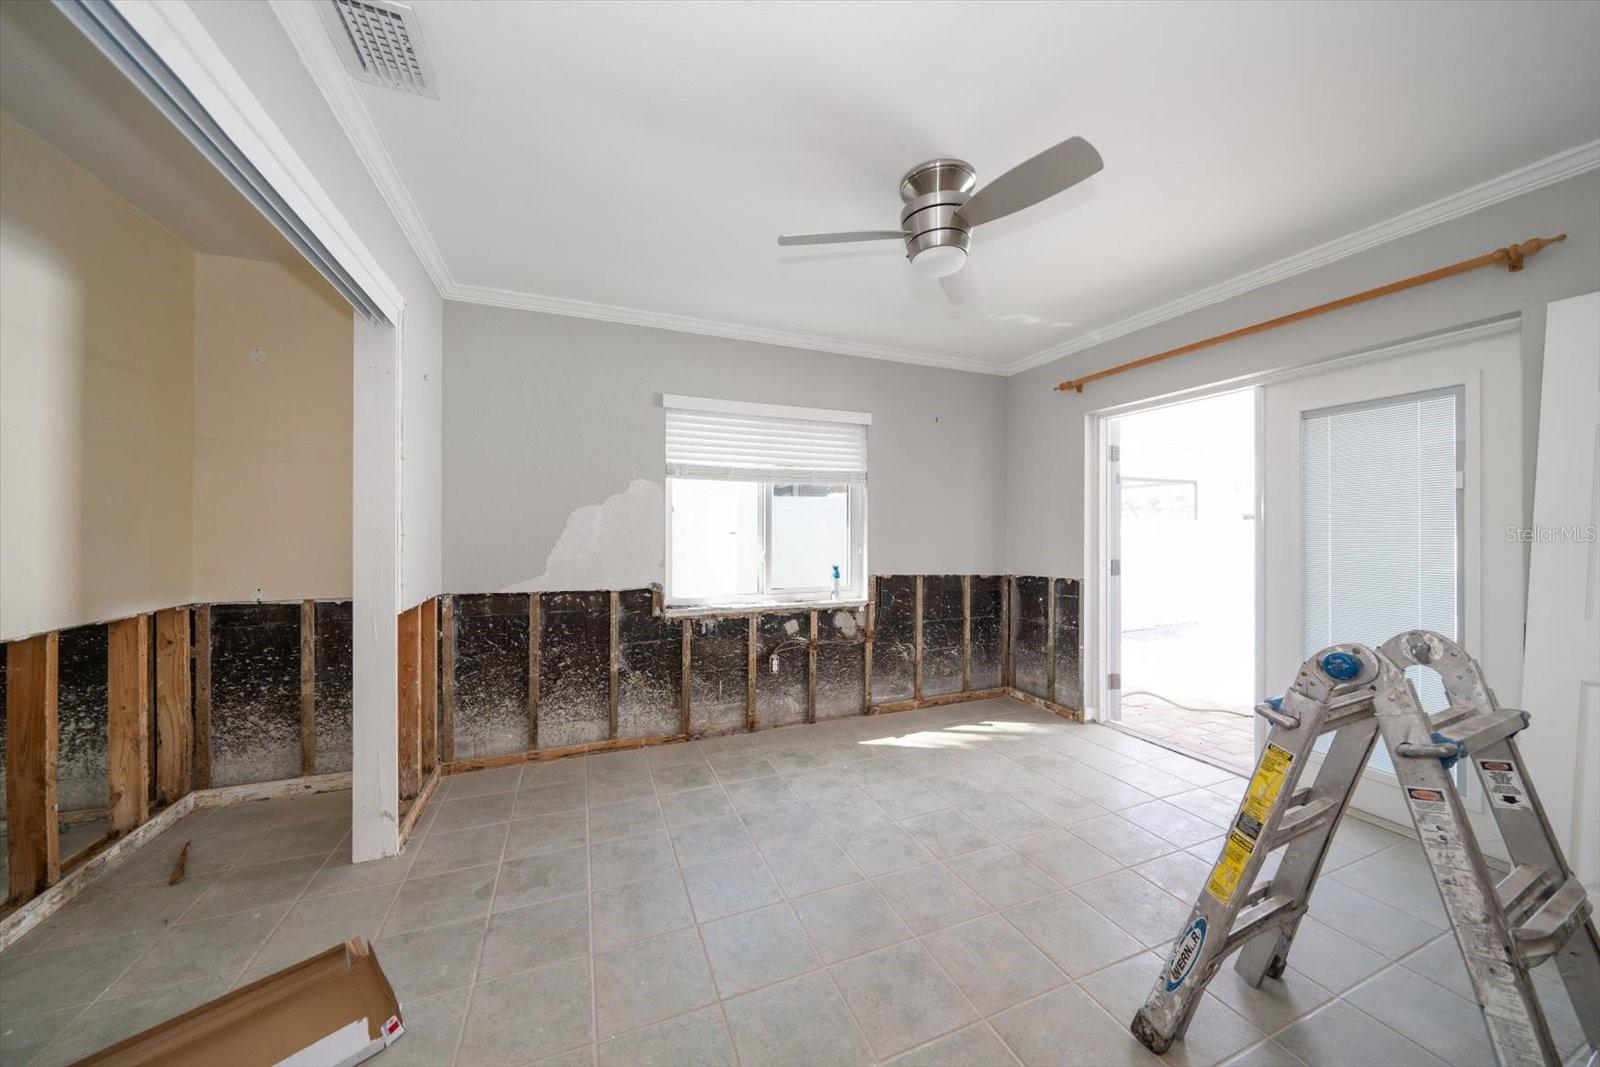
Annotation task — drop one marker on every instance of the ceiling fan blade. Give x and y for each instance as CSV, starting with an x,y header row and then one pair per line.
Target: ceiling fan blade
x,y
840,238
1052,171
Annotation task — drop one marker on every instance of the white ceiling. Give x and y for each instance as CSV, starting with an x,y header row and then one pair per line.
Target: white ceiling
x,y
644,157
56,83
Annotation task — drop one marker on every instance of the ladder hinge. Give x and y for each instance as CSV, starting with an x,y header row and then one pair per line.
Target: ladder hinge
x,y
1114,453
1116,568
1114,681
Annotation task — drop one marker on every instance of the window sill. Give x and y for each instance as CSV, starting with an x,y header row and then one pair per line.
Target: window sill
x,y
742,608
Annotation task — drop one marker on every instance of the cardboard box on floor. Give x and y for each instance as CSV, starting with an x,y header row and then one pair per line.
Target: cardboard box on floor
x,y
332,1010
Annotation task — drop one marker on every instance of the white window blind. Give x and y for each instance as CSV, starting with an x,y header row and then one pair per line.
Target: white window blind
x,y
1380,527
743,442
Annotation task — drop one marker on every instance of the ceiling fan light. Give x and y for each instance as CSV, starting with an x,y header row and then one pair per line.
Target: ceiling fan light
x,y
940,261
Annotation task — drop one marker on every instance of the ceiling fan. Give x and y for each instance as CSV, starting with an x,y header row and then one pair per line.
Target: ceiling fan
x,y
941,209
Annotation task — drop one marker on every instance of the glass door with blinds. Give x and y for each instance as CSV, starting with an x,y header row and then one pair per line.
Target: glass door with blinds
x,y
1380,527
1365,521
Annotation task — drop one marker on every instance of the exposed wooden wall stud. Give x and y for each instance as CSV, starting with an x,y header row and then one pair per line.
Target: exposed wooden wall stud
x,y
811,671
966,632
616,660
33,845
686,714
447,700
535,626
174,706
866,656
409,667
430,684
750,678
308,687
1008,627
916,643
202,696
127,724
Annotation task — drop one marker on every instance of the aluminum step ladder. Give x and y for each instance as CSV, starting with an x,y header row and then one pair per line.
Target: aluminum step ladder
x,y
1505,926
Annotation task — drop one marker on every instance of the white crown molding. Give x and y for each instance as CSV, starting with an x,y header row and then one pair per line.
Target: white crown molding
x,y
583,309
309,36
1568,164
306,32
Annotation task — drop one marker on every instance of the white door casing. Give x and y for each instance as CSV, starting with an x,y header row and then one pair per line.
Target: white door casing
x,y
1561,667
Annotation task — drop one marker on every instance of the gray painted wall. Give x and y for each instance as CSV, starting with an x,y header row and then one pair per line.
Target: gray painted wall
x,y
553,447
1045,430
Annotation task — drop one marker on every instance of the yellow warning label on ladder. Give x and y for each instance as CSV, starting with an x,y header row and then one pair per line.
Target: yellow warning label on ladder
x,y
1265,785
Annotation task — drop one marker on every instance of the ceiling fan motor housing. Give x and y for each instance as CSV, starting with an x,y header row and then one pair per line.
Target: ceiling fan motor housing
x,y
933,193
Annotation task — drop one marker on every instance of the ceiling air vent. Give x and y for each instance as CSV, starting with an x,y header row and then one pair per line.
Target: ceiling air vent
x,y
380,43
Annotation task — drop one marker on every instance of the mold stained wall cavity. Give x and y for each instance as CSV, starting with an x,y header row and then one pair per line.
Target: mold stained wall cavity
x,y
894,644
718,678
81,715
841,663
255,693
574,668
1069,674
1032,672
650,669
333,687
942,627
491,716
988,642
783,654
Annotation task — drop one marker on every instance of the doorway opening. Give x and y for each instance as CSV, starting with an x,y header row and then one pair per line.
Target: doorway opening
x,y
1183,483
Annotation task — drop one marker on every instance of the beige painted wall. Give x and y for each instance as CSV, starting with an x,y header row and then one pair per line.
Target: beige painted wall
x,y
96,397
145,459
272,437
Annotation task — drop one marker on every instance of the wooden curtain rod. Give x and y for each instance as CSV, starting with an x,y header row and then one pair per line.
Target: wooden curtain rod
x,y
1512,257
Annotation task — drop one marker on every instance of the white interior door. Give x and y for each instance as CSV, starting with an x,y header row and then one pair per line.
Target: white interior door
x,y
1562,663
1378,504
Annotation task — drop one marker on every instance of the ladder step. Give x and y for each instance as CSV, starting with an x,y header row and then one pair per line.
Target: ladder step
x,y
1303,820
1484,729
1519,887
1548,928
1274,911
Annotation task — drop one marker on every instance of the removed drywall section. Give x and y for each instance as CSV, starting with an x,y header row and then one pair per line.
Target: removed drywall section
x,y
649,668
988,633
81,716
491,715
894,652
841,662
272,432
332,687
1028,653
943,623
96,416
783,653
718,675
574,669
255,693
1069,675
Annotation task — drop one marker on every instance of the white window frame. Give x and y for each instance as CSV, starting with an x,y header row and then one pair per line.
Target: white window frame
x,y
852,583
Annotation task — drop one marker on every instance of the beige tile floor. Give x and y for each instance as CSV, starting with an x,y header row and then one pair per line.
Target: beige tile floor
x,y
978,884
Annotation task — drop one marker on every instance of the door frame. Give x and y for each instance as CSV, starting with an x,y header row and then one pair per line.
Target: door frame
x,y
1102,540
1096,559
